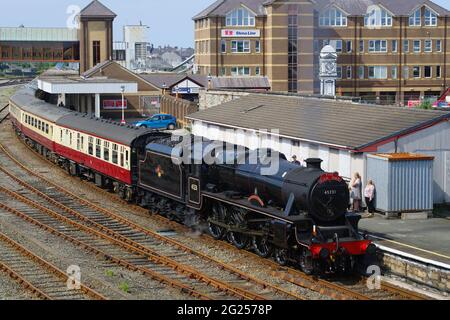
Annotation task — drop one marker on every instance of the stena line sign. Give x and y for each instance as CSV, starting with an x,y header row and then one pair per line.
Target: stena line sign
x,y
228,33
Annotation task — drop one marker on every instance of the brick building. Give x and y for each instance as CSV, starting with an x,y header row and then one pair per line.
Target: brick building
x,y
390,50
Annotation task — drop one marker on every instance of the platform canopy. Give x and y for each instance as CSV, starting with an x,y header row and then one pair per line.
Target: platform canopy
x,y
79,85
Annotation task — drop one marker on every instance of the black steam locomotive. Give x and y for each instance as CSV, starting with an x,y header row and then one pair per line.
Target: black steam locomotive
x,y
297,214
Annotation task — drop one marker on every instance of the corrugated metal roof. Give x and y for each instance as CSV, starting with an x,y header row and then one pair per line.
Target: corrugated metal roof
x,y
39,34
97,9
403,156
322,121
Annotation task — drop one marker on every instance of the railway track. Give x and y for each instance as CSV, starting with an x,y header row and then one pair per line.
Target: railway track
x,y
39,276
202,276
15,82
356,290
4,113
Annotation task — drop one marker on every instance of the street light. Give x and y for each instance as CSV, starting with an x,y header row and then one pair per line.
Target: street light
x,y
122,89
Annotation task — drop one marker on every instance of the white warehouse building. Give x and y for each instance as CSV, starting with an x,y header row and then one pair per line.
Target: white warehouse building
x,y
341,133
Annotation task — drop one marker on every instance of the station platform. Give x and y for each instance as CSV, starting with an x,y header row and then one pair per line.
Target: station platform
x,y
426,241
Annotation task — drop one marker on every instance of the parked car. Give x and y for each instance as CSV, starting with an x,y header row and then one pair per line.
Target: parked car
x,y
159,121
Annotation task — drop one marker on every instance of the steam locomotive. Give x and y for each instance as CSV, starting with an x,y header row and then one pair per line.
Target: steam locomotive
x,y
296,214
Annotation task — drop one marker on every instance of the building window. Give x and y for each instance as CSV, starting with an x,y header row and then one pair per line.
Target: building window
x,y
349,46
394,72
332,17
414,19
416,46
292,53
223,46
428,46
405,46
438,71
378,18
223,71
416,72
240,71
258,46
430,18
438,45
337,45
349,72
361,73
406,72
361,45
394,46
339,72
240,46
377,46
427,72
377,72
257,71
96,52
240,17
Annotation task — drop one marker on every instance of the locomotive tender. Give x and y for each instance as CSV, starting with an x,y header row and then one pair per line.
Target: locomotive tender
x,y
297,215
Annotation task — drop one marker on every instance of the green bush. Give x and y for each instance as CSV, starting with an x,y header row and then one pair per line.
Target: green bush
x,y
426,105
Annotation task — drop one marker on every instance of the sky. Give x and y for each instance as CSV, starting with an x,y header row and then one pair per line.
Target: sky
x,y
170,21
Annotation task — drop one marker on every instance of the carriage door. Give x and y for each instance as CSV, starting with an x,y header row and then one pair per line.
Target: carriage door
x,y
194,192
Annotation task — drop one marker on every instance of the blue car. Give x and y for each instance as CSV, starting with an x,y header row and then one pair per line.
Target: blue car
x,y
159,121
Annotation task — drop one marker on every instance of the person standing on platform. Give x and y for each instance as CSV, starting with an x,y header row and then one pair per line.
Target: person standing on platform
x,y
356,192
295,160
369,195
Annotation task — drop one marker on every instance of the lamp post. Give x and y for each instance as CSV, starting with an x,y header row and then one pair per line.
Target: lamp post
x,y
122,89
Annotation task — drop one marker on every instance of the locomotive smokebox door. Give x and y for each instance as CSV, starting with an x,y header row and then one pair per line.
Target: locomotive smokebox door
x,y
194,191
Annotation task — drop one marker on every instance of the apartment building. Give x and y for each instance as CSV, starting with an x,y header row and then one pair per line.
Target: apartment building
x,y
389,50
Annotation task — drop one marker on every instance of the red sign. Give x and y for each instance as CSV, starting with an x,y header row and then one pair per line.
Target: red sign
x,y
413,103
114,104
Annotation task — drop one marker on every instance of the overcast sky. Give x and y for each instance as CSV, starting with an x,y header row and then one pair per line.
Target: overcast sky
x,y
170,21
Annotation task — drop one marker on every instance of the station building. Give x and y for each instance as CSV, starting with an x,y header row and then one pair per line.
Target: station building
x,y
389,50
339,132
89,45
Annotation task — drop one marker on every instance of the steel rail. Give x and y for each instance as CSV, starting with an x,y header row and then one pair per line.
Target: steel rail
x,y
131,245
135,226
121,262
292,275
47,265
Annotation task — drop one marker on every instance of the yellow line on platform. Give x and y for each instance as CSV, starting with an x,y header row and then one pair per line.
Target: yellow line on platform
x,y
412,247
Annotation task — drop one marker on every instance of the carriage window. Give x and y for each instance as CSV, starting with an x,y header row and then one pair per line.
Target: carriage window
x,y
127,158
91,146
115,153
106,151
98,148
60,135
70,138
122,162
46,128
78,142
39,124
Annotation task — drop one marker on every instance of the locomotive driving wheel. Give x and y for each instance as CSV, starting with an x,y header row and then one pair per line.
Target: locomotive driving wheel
x,y
239,239
219,214
281,256
306,262
262,246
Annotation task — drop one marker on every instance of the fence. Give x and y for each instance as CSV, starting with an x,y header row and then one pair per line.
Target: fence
x,y
179,108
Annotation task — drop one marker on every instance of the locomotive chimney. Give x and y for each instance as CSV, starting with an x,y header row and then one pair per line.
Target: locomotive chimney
x,y
314,163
